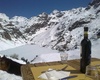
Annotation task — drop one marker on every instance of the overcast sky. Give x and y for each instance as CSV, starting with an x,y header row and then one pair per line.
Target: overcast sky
x,y
29,8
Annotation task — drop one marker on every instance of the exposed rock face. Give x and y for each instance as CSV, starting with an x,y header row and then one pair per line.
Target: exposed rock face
x,y
95,3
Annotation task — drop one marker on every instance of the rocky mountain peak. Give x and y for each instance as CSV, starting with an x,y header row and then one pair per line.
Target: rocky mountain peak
x,y
3,17
95,3
43,15
57,13
18,18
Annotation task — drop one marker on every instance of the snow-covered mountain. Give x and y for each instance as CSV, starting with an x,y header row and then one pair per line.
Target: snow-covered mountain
x,y
61,30
64,29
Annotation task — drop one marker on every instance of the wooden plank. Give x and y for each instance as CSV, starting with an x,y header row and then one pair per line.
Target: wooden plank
x,y
31,65
26,73
40,64
76,62
74,65
53,63
95,59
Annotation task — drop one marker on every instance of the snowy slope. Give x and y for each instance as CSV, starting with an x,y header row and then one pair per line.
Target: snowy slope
x,y
6,76
68,31
27,51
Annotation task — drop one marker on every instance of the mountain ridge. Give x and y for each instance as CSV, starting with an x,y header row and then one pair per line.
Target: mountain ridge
x,y
61,30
